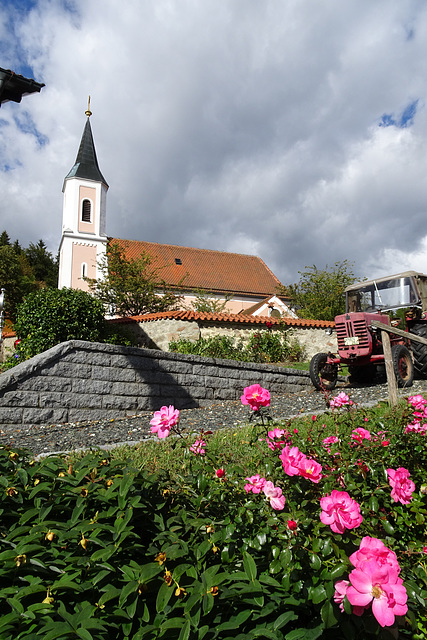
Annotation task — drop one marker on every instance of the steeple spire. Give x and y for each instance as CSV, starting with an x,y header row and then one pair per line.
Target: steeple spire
x,y
86,164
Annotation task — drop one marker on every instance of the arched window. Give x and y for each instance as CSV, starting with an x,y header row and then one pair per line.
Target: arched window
x,y
86,210
84,269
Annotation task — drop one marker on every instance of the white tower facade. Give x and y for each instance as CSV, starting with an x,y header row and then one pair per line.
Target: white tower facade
x,y
84,240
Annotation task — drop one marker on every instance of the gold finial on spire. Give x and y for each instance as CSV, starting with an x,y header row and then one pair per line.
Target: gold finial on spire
x,y
88,113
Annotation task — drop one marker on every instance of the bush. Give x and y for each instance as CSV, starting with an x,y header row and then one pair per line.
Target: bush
x,y
98,549
50,316
262,346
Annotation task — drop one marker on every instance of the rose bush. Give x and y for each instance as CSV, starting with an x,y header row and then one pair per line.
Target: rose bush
x,y
99,549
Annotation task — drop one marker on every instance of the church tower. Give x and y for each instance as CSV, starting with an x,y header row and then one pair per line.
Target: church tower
x,y
84,241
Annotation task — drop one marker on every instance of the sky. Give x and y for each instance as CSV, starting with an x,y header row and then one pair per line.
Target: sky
x,y
292,130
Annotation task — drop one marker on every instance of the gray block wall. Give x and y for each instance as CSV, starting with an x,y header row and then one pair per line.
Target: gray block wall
x,y
78,381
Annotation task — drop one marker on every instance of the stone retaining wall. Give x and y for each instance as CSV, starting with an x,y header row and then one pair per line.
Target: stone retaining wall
x,y
76,381
158,334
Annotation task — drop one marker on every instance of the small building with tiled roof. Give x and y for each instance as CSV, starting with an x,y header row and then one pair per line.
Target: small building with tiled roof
x,y
237,280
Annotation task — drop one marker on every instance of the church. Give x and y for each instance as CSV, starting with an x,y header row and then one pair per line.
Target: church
x,y
244,282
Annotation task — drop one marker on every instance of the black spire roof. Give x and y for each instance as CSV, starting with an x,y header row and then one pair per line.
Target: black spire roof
x,y
86,164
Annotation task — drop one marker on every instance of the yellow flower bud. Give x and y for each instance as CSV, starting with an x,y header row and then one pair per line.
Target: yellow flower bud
x,y
84,542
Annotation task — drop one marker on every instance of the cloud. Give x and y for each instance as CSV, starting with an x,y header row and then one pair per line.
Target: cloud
x,y
295,131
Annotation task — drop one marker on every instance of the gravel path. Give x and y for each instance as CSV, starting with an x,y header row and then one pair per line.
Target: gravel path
x,y
108,433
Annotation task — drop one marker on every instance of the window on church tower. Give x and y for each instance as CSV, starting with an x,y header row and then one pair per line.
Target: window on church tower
x,y
86,211
84,269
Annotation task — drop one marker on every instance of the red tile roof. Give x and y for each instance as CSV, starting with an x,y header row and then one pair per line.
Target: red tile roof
x,y
224,317
216,271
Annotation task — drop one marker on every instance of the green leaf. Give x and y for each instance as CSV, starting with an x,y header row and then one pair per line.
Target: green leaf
x,y
84,634
388,528
163,596
263,632
185,631
318,594
283,619
338,571
235,622
328,615
130,587
250,566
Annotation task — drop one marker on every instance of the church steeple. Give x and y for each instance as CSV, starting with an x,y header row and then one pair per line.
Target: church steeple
x,y
86,164
84,241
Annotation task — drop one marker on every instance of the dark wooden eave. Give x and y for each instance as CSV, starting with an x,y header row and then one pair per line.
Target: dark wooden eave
x,y
13,86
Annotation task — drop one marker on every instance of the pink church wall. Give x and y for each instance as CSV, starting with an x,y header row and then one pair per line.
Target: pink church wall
x,y
83,253
90,194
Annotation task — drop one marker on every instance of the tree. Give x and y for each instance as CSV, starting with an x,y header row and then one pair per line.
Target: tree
x,y
50,316
204,303
131,286
44,265
319,294
15,277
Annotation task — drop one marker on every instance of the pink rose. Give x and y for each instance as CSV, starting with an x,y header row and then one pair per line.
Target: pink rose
x,y
198,448
164,420
256,397
220,473
330,440
309,468
274,494
401,485
380,586
340,400
417,402
340,592
291,458
273,438
340,511
360,434
255,484
415,427
374,549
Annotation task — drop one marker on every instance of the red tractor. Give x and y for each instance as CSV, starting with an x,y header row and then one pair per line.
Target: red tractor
x,y
359,341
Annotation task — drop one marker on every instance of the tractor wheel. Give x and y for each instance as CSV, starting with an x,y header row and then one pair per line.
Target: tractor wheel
x,y
362,375
402,365
323,375
420,350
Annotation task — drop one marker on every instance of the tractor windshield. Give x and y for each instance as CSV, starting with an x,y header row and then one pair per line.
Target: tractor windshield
x,y
396,293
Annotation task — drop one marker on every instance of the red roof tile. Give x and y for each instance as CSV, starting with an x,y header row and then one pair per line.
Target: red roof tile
x,y
224,317
216,271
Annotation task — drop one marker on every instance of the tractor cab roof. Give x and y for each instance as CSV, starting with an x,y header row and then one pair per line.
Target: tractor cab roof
x,y
402,274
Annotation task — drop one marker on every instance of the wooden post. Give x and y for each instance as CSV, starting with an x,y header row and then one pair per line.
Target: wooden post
x,y
391,378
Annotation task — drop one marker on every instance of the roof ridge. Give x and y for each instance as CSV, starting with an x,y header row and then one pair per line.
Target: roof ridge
x,y
179,246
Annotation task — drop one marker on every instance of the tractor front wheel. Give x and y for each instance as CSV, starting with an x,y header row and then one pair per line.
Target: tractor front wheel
x,y
323,374
402,365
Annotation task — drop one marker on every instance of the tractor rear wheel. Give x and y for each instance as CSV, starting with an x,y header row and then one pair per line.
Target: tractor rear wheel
x,y
322,374
420,350
402,365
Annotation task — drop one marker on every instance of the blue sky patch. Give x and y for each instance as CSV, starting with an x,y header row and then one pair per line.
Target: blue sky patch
x,y
402,120
25,123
